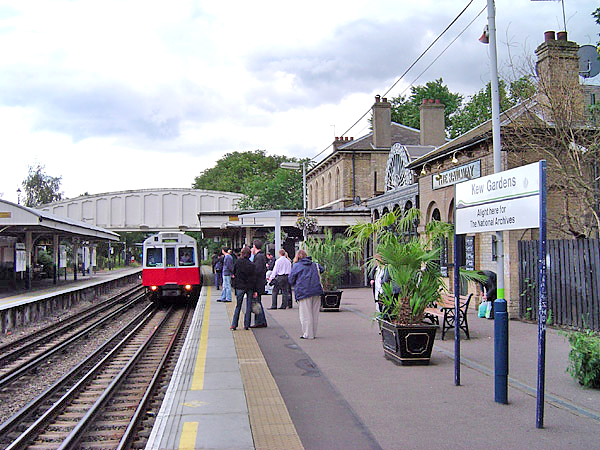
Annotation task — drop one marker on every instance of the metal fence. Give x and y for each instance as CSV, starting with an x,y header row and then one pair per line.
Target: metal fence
x,y
573,281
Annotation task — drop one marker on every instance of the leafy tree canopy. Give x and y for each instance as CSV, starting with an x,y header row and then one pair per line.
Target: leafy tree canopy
x,y
258,176
478,108
281,190
235,170
41,188
405,110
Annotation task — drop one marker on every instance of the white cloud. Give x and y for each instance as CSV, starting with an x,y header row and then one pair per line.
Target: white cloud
x,y
125,94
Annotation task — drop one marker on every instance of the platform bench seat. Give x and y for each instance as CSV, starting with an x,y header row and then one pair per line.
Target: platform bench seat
x,y
445,311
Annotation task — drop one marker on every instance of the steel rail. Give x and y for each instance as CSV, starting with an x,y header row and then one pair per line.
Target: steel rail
x,y
71,441
126,439
20,370
27,435
17,419
45,334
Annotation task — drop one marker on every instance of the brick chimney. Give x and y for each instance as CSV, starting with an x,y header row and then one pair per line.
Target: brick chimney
x,y
431,114
557,67
382,123
339,141
557,59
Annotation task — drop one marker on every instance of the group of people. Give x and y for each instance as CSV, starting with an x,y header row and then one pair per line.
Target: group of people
x,y
252,270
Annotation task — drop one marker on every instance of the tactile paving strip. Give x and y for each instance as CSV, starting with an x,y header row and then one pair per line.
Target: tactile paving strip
x,y
272,427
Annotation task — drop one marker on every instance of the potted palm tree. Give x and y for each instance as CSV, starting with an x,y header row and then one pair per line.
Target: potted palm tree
x,y
413,281
336,255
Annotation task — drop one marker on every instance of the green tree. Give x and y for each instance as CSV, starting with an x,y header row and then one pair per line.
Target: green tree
x,y
41,188
478,108
281,190
405,110
236,170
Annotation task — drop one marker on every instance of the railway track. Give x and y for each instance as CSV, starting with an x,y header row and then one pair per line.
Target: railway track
x,y
106,407
22,357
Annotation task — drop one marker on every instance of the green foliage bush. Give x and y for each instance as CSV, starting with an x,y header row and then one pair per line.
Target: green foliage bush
x,y
584,358
336,255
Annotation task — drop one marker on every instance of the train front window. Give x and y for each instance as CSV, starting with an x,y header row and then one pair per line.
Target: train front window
x,y
154,257
170,257
186,256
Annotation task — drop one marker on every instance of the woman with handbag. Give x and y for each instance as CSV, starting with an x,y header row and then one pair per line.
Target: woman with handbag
x,y
306,279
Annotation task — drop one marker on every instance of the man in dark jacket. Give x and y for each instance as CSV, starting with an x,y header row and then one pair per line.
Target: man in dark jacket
x,y
260,265
244,282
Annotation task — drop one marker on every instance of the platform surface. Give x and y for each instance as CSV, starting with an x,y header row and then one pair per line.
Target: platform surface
x,y
267,389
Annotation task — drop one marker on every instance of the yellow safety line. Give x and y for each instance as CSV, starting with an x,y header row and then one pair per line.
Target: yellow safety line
x,y
187,441
198,378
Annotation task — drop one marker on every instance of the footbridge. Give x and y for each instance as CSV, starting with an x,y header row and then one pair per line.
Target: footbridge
x,y
145,210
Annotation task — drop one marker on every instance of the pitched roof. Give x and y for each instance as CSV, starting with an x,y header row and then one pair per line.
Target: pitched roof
x,y
400,134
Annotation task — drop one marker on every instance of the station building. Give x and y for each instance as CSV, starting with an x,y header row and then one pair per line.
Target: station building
x,y
399,167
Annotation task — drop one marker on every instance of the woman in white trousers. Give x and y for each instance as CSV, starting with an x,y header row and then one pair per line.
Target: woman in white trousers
x,y
306,280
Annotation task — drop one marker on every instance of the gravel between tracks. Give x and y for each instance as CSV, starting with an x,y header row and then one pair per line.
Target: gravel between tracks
x,y
56,368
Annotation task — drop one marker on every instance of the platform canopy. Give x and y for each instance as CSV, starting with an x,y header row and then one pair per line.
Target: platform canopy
x,y
15,220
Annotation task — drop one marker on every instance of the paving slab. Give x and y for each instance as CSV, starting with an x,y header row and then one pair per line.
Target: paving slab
x,y
419,406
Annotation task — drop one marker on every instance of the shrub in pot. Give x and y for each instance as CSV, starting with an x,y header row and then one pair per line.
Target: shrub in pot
x,y
336,255
412,283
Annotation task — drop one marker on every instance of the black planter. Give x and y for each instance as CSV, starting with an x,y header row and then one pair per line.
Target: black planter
x,y
407,344
330,300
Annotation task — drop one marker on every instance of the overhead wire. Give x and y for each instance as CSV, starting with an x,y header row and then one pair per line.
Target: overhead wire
x,y
444,51
407,70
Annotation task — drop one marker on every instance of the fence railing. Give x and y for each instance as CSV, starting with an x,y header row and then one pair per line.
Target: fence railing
x,y
573,281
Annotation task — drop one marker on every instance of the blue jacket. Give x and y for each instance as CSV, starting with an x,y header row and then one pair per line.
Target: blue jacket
x,y
228,265
305,279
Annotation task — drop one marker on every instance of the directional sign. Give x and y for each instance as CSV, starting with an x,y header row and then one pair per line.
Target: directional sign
x,y
508,200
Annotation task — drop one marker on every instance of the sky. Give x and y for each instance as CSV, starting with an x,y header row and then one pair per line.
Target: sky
x,y
115,95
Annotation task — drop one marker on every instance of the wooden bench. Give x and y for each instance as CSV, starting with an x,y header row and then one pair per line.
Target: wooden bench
x,y
445,311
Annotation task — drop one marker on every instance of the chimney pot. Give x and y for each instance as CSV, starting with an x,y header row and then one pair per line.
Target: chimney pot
x,y
424,100
549,36
561,36
384,99
337,138
430,100
377,98
437,100
351,138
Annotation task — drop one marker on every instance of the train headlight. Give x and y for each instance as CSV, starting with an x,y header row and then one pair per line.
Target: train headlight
x,y
188,287
153,288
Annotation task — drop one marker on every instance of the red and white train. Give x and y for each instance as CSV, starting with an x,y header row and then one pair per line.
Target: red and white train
x,y
171,266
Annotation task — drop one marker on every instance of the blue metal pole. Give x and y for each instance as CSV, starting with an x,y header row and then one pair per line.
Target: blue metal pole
x,y
543,304
456,310
500,350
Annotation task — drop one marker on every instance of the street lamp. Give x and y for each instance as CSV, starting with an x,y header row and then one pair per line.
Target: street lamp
x,y
18,196
297,166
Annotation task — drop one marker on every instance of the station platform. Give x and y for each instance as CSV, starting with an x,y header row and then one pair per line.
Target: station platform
x,y
267,389
43,289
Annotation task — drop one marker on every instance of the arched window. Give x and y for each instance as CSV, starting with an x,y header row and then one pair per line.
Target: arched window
x,y
338,186
329,191
316,203
322,193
